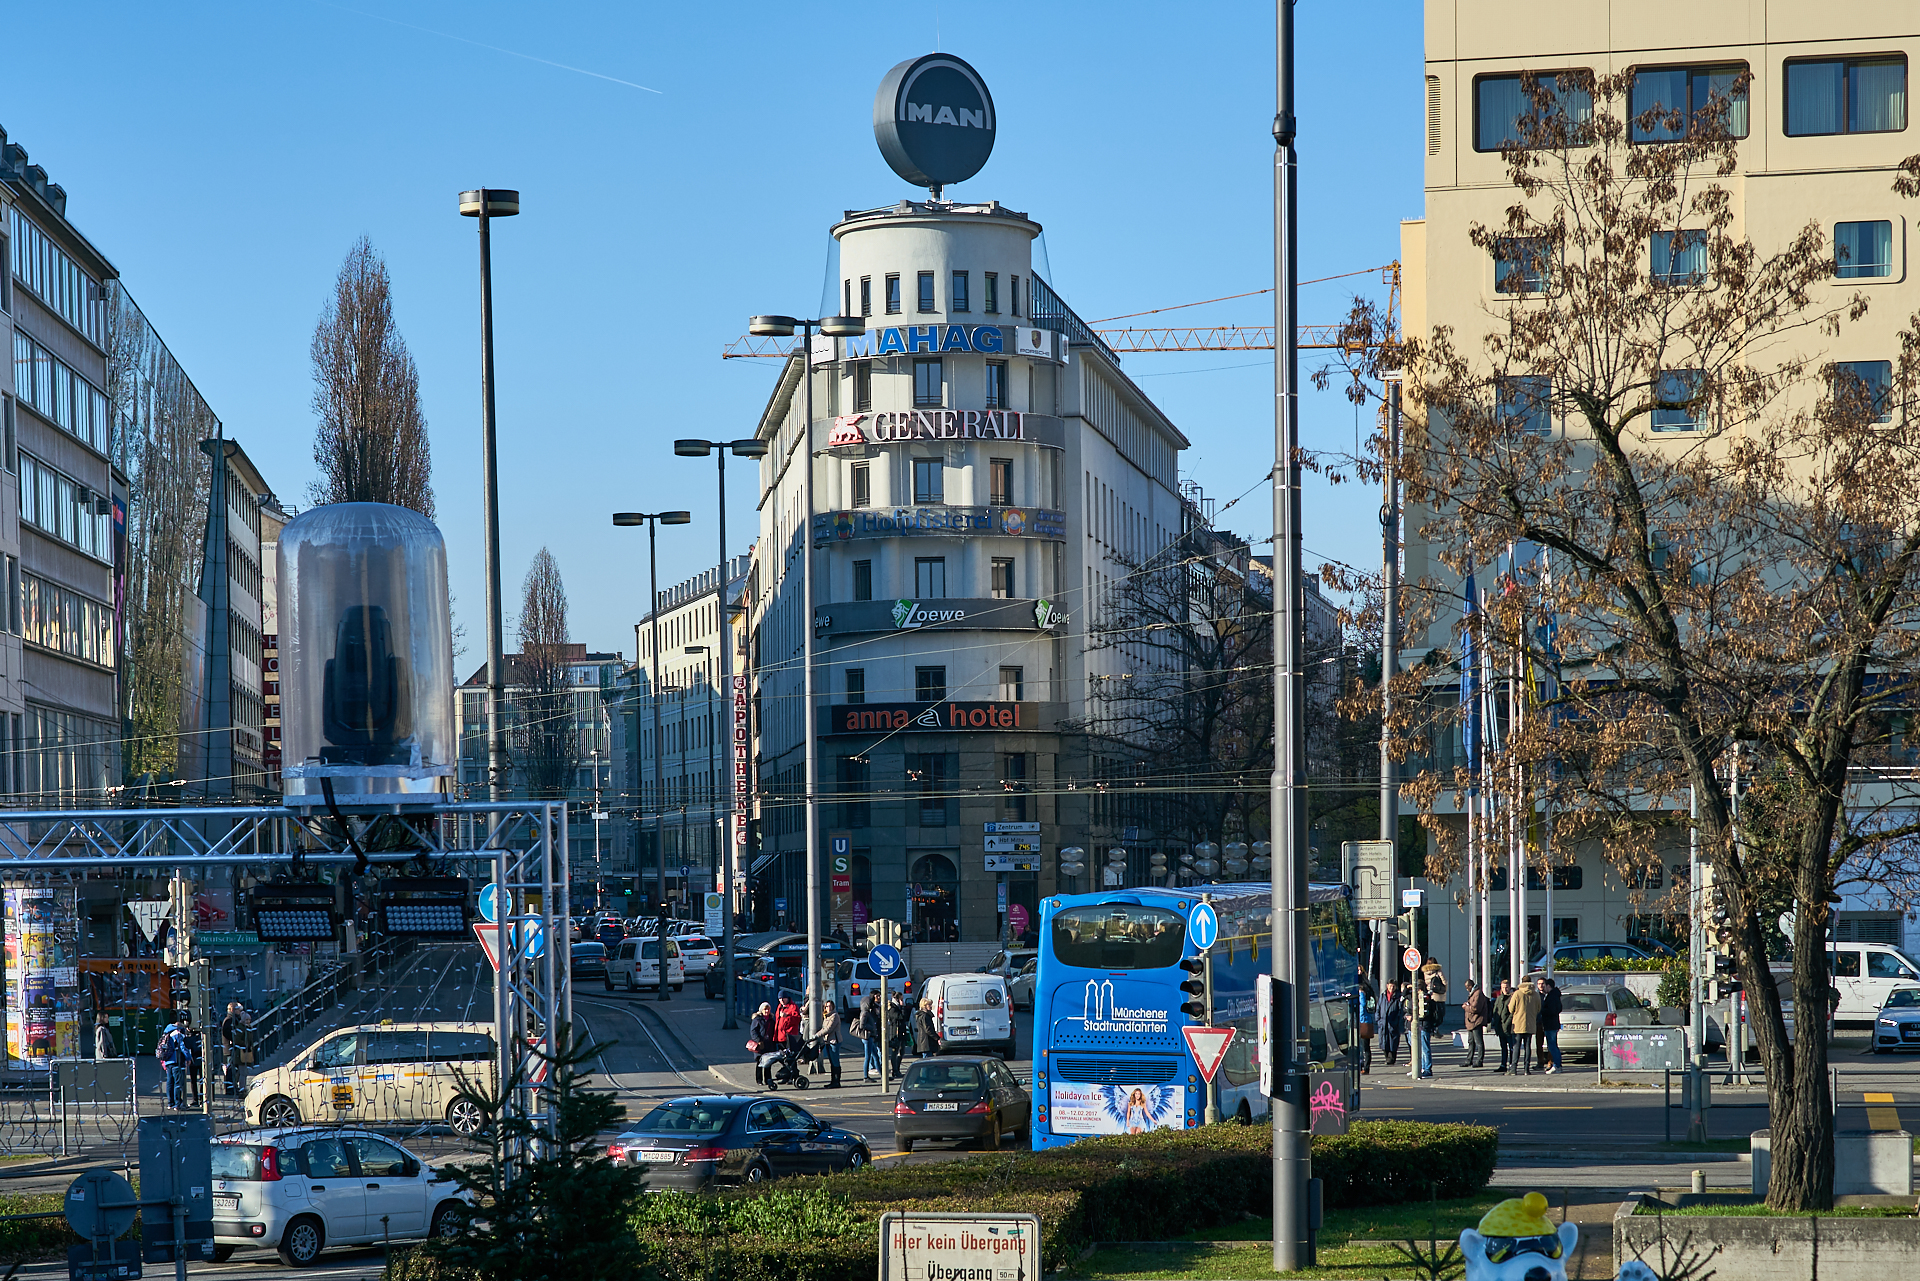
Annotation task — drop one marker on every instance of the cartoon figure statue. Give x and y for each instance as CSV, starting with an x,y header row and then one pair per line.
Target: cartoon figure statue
x,y
1516,1241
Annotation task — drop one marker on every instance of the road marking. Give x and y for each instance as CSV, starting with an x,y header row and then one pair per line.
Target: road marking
x,y
1883,1117
1547,1107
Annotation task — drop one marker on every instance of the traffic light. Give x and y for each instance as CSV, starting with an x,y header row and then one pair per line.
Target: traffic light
x,y
878,932
305,913
424,906
1194,987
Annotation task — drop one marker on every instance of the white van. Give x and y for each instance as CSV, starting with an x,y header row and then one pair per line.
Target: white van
x,y
972,1013
634,963
1866,974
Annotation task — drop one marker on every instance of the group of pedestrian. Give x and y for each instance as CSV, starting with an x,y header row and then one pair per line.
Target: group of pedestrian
x,y
181,1052
778,1031
1417,1006
1526,1021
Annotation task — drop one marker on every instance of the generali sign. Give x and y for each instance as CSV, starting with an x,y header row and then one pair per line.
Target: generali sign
x,y
928,424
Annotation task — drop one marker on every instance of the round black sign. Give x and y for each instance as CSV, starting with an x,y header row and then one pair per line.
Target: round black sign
x,y
933,119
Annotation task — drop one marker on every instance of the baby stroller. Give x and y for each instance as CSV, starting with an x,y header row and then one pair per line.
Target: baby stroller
x,y
783,1066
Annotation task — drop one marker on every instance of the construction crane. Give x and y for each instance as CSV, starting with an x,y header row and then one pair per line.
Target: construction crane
x,y
1192,338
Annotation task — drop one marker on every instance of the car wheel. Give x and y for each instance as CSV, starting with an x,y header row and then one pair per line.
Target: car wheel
x,y
990,1141
466,1118
1245,1115
633,981
678,987
278,1112
221,1253
758,1173
302,1242
450,1220
857,1159
609,980
906,1145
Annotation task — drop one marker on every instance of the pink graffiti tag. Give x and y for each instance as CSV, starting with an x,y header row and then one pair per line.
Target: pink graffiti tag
x,y
1327,1098
1626,1054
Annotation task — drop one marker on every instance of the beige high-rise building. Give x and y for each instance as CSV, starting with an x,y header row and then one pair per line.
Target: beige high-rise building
x,y
1824,123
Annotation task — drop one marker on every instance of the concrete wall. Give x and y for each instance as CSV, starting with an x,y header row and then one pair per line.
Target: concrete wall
x,y
1865,1163
1773,1249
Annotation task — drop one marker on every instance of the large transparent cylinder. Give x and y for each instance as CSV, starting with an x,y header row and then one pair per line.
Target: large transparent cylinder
x,y
366,654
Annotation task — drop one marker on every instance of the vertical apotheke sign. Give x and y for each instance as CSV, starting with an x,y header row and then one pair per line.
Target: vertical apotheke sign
x,y
742,762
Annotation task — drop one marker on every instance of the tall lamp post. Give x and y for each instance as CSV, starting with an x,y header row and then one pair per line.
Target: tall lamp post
x,y
830,327
736,734
652,520
486,204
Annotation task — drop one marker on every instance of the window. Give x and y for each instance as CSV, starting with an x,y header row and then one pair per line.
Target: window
x,y
378,1158
862,386
1013,766
930,577
929,480
1013,689
1885,965
929,684
863,580
1013,293
1000,482
1522,265
846,297
341,1051
1862,249
66,399
996,384
926,291
1689,92
1500,102
862,486
9,431
959,300
1846,963
866,295
1566,929
1523,404
1677,259
853,778
64,509
1871,380
1118,936
928,384
1003,577
1856,95
993,292
325,1159
893,293
58,280
6,276
927,776
856,684
64,621
1678,395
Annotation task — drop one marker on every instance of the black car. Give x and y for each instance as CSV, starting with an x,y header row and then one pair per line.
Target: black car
x,y
588,961
692,1143
714,981
960,1097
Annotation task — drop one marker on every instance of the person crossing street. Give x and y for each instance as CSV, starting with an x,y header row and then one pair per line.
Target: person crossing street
x,y
1477,1012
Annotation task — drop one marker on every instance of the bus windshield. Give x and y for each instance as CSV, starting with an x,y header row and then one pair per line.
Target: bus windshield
x,y
1118,936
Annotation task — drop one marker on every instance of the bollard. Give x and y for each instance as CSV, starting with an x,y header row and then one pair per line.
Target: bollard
x,y
1699,1182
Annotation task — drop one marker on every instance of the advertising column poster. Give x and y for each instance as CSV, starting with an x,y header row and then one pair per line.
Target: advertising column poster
x,y
43,984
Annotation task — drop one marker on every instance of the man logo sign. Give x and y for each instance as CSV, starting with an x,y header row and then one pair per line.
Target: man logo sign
x,y
934,120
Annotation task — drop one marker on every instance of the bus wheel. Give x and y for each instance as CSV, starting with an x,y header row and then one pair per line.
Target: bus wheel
x,y
1244,1116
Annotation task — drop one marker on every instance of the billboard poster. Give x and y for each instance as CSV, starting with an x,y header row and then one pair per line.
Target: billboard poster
x,y
1112,1109
43,993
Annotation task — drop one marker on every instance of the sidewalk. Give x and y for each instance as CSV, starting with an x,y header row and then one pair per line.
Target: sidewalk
x,y
694,1025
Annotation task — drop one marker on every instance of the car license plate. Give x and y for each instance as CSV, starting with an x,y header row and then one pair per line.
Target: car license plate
x,y
940,1107
658,1158
226,1203
963,1031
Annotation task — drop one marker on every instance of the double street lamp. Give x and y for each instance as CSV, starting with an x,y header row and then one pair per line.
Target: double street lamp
x,y
652,520
829,327
737,730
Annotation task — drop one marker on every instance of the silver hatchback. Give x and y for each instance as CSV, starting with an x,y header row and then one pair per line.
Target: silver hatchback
x,y
1588,1007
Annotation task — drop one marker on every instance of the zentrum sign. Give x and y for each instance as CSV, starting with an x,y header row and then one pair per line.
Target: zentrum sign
x,y
933,119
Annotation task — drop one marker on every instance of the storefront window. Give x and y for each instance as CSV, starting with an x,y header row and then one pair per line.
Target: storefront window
x,y
934,884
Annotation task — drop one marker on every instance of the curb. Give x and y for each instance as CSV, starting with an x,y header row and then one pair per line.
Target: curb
x,y
1623,1090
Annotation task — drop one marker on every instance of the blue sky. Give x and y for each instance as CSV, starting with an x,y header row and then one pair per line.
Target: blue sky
x,y
225,156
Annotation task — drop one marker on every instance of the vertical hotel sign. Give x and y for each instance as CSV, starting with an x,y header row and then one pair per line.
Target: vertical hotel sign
x,y
742,764
42,982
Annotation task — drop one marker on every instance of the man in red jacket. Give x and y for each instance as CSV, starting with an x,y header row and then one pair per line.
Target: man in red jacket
x,y
786,1023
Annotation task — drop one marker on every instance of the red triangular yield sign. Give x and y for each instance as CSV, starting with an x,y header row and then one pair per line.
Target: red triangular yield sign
x,y
489,936
1208,1045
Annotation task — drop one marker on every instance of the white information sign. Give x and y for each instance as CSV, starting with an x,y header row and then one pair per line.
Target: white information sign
x,y
959,1247
1369,867
716,907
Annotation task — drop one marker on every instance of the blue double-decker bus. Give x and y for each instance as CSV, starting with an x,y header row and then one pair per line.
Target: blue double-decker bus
x,y
1109,1056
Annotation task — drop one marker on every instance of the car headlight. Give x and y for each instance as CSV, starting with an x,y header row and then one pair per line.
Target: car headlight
x,y
1887,1023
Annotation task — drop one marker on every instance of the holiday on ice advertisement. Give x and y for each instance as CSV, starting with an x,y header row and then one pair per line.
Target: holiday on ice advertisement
x,y
1074,1108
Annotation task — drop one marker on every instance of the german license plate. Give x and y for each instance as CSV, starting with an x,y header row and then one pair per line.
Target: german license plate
x,y
963,1031
941,1107
226,1203
657,1158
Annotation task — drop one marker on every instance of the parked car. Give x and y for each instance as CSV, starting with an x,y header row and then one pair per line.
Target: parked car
x,y
698,951
974,1097
1020,986
853,979
1867,975
635,964
971,1014
588,961
1568,953
1585,1008
689,1144
714,982
299,1190
1009,962
384,1074
1897,1026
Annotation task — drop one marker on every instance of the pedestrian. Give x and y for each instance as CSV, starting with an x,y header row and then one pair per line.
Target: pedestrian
x,y
194,1067
172,1055
1476,1012
867,1026
1433,1012
1390,1014
1550,1023
786,1023
103,1046
236,1037
899,1031
1525,1007
1366,1011
830,1042
760,1039
1503,1024
926,1037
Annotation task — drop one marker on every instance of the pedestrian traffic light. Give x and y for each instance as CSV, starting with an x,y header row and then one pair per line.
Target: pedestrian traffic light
x,y
1194,987
304,913
424,906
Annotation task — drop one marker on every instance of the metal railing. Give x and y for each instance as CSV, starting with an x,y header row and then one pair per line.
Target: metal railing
x,y
322,993
1049,311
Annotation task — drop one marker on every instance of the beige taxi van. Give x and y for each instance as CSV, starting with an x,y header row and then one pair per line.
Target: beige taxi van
x,y
381,1074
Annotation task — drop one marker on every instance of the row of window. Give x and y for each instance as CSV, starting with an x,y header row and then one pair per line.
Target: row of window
x,y
56,279
44,381
930,578
1823,96
1680,399
930,685
62,620
959,293
60,506
1679,259
930,485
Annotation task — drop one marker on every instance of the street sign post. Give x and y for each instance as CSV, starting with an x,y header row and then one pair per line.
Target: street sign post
x,y
1371,873
1203,927
489,936
1208,1045
885,960
148,915
920,1244
1410,959
494,904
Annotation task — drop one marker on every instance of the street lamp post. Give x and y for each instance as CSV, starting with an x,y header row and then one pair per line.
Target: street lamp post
x,y
486,204
652,520
831,327
736,733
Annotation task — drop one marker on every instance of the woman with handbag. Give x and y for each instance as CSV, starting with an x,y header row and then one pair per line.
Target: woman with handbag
x,y
1368,1004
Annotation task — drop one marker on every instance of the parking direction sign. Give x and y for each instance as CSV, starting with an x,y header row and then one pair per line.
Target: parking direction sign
x,y
1203,927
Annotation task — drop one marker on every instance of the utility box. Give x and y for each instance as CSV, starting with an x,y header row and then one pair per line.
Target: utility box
x,y
176,1159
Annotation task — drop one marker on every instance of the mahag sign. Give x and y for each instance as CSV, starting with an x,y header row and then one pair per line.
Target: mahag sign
x,y
934,121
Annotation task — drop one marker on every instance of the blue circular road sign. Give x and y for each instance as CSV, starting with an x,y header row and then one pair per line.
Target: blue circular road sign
x,y
885,959
495,903
1203,927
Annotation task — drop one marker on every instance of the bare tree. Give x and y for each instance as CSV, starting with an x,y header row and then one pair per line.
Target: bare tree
x,y
549,747
371,441
1734,600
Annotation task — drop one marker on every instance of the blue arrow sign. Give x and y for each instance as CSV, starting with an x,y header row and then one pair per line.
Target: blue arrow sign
x,y
493,900
885,959
1203,927
533,939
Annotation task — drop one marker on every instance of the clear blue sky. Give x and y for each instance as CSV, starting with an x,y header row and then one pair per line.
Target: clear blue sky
x,y
225,156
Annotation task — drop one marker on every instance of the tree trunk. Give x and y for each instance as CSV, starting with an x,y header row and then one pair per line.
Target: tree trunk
x,y
1801,1174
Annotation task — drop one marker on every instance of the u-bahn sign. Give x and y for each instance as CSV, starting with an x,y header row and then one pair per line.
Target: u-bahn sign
x,y
933,119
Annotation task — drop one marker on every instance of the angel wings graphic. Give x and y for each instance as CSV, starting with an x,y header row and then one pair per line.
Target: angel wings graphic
x,y
1135,1109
